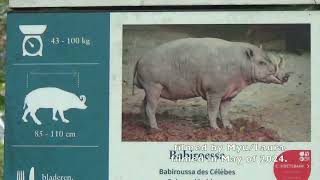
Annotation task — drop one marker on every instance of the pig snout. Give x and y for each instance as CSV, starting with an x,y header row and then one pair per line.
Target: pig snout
x,y
83,106
282,78
285,78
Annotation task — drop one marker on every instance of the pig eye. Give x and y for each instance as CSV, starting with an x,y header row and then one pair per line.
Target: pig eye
x,y
262,63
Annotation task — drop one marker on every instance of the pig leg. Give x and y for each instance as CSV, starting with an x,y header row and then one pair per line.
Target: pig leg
x,y
224,107
62,117
213,102
152,99
24,117
34,117
143,106
143,111
54,113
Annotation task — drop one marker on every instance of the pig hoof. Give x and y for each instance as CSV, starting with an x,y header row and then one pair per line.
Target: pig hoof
x,y
215,127
154,131
228,126
55,119
24,120
66,121
39,123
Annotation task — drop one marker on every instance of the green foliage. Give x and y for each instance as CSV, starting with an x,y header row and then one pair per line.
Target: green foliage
x,y
3,35
2,89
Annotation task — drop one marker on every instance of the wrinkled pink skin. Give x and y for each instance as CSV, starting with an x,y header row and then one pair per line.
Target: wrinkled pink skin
x,y
214,69
234,89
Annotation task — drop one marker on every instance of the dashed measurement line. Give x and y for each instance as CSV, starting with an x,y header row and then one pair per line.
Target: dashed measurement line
x,y
74,74
78,79
27,82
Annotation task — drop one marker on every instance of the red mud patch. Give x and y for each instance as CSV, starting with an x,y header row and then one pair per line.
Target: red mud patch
x,y
135,128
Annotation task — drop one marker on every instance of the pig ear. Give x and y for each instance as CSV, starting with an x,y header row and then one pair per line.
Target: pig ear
x,y
83,98
249,53
261,46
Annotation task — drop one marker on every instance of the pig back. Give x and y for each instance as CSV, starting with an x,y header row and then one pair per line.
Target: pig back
x,y
49,97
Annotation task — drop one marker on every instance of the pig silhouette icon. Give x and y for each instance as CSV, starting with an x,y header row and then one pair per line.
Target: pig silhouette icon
x,y
51,98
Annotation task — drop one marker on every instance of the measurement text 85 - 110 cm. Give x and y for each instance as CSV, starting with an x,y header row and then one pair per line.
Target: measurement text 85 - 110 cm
x,y
55,134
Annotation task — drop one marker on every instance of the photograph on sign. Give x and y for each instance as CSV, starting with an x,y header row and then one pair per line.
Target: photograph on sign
x,y
208,82
213,95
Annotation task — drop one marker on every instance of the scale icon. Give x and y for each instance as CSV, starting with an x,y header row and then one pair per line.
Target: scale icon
x,y
32,44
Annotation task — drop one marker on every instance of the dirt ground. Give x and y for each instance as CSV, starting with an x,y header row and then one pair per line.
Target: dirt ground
x,y
261,112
